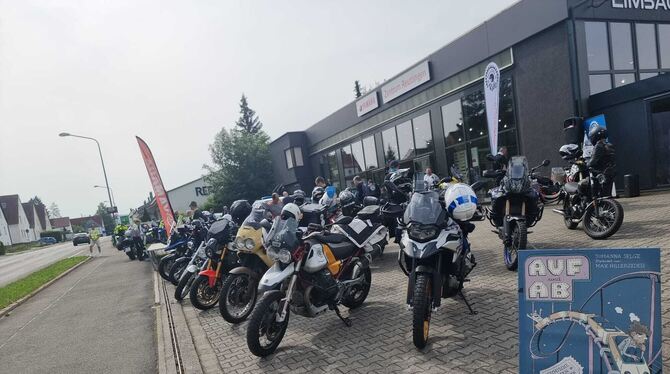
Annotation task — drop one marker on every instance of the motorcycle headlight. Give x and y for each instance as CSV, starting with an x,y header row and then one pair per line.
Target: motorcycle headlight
x,y
281,255
239,243
189,245
421,233
249,244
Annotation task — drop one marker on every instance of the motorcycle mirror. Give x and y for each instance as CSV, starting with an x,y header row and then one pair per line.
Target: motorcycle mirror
x,y
546,163
266,224
489,157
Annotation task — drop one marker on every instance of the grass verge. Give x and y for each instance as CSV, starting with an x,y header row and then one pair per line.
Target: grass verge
x,y
22,287
16,248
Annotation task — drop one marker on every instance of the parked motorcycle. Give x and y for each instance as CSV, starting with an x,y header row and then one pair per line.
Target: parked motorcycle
x,y
311,274
177,247
133,244
196,233
435,251
515,207
192,267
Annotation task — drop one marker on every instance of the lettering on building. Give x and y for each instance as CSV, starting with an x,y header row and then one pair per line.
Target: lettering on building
x,y
202,191
642,4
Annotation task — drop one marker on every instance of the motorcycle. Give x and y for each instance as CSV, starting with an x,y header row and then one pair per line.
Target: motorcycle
x,y
239,290
206,287
190,270
435,254
311,274
177,247
133,244
515,207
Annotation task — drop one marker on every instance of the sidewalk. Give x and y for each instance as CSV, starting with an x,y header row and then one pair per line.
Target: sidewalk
x,y
97,319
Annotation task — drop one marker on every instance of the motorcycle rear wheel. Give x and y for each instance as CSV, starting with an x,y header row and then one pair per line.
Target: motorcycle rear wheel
x,y
203,296
184,286
609,222
263,324
356,296
165,264
423,288
234,296
519,242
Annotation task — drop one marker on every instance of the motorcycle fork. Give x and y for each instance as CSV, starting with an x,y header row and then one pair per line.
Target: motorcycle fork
x,y
437,284
289,294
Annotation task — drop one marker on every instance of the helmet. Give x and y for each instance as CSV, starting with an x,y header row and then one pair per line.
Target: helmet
x,y
291,210
299,197
570,151
461,201
370,200
239,210
346,198
596,133
317,193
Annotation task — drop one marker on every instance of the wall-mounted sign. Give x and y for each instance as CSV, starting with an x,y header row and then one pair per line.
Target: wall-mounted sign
x,y
202,191
642,4
590,311
367,103
409,80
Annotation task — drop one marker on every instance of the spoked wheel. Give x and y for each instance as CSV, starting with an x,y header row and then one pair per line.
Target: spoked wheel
x,y
184,286
237,299
203,296
567,219
519,242
264,333
603,218
423,290
357,294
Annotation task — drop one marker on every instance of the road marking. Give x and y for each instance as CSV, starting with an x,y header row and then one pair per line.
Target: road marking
x,y
52,303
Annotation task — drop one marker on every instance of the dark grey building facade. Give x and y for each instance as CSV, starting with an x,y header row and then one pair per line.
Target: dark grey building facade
x,y
558,58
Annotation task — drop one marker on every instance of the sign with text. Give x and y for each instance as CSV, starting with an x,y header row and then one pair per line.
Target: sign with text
x,y
367,103
590,311
406,82
162,199
642,4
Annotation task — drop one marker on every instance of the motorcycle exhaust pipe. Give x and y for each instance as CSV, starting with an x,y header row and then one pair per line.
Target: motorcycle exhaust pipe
x,y
558,211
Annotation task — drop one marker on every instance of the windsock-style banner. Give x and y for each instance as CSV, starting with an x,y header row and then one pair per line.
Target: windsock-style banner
x,y
492,97
162,199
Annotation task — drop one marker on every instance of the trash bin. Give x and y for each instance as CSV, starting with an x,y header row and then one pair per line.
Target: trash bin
x,y
631,185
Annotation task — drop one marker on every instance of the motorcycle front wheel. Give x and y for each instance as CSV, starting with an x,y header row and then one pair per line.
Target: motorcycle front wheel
x,y
519,241
203,296
131,254
165,264
238,297
184,286
177,269
264,333
423,289
603,222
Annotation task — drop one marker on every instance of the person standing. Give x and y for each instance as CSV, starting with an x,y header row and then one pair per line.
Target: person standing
x,y
430,179
195,212
94,235
373,189
361,190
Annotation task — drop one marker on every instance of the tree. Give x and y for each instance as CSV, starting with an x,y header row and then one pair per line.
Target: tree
x,y
107,219
53,211
248,121
390,154
357,89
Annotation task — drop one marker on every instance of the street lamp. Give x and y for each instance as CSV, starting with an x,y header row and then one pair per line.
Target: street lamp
x,y
109,193
112,190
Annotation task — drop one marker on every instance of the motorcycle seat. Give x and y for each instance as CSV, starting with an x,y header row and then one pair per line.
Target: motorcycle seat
x,y
329,238
571,187
342,250
368,212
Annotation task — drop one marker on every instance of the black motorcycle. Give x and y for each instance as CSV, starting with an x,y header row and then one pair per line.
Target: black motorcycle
x,y
133,244
515,206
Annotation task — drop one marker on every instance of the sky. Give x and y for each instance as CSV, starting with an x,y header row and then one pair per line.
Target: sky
x,y
172,72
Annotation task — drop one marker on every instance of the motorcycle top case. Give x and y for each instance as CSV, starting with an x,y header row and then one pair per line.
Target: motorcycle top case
x,y
313,213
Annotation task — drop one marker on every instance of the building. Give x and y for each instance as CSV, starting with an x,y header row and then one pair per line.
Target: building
x,y
61,224
5,239
43,217
19,228
180,199
558,59
33,220
88,223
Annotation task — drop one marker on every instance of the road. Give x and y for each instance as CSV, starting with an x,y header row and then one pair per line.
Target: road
x,y
97,319
13,267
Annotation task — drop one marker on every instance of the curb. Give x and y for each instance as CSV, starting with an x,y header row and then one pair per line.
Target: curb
x,y
14,305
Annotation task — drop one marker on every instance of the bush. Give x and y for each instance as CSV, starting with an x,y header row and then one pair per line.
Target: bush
x,y
2,249
58,235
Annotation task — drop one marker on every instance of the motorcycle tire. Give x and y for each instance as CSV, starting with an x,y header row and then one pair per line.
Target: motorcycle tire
x,y
357,298
615,209
567,220
203,296
131,255
177,269
264,314
519,242
233,291
165,264
184,286
421,311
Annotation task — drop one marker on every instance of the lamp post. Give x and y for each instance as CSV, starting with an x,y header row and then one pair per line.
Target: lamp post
x,y
112,190
109,193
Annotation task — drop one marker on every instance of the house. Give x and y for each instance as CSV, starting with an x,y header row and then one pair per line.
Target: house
x,y
19,227
87,223
4,230
61,224
34,222
41,211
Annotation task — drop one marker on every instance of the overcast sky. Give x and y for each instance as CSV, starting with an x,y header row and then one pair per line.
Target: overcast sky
x,y
172,72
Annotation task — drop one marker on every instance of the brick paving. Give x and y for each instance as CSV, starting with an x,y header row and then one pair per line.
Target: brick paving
x,y
380,340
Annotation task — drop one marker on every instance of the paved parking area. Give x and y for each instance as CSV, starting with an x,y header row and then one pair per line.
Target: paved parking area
x,y
380,339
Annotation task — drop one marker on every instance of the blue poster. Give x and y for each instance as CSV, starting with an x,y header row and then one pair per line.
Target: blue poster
x,y
590,311
599,120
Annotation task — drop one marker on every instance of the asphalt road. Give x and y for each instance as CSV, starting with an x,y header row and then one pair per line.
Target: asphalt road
x,y
14,267
96,319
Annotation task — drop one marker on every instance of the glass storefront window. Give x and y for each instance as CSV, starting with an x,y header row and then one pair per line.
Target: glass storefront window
x,y
452,121
507,120
622,46
331,158
664,42
599,83
423,138
644,76
370,153
474,115
348,164
596,46
405,140
357,153
645,35
456,156
390,144
623,79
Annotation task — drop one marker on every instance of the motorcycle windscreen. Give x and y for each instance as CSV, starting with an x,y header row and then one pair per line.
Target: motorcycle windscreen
x,y
517,168
424,208
283,234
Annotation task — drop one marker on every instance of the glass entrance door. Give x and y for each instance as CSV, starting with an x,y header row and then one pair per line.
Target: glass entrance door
x,y
660,117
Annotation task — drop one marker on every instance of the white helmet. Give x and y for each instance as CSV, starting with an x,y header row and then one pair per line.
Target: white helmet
x,y
293,209
461,201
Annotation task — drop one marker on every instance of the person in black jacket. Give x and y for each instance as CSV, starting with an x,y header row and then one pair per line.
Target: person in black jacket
x,y
602,160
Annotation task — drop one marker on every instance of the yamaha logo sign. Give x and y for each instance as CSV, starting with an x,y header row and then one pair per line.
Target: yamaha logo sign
x,y
642,4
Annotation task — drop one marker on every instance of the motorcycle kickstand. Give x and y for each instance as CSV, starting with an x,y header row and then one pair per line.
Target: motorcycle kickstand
x,y
465,300
346,320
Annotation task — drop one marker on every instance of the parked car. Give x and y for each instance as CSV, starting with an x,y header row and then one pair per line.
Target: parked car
x,y
80,238
47,240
